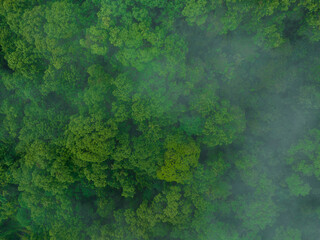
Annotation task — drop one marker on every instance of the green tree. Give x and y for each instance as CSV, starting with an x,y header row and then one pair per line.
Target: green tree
x,y
180,158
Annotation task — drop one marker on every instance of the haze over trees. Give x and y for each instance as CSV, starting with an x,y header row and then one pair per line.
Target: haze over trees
x,y
159,120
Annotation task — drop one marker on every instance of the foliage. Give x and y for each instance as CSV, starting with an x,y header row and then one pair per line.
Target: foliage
x,y
159,119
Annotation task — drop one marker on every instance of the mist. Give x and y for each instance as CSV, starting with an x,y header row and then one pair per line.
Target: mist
x,y
159,120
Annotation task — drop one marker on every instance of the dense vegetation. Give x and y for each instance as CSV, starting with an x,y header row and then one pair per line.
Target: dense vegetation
x,y
160,119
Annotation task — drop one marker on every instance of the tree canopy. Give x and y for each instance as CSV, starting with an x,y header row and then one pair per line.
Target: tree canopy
x,y
159,120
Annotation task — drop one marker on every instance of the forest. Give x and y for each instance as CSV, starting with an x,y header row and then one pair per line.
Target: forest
x,y
159,119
